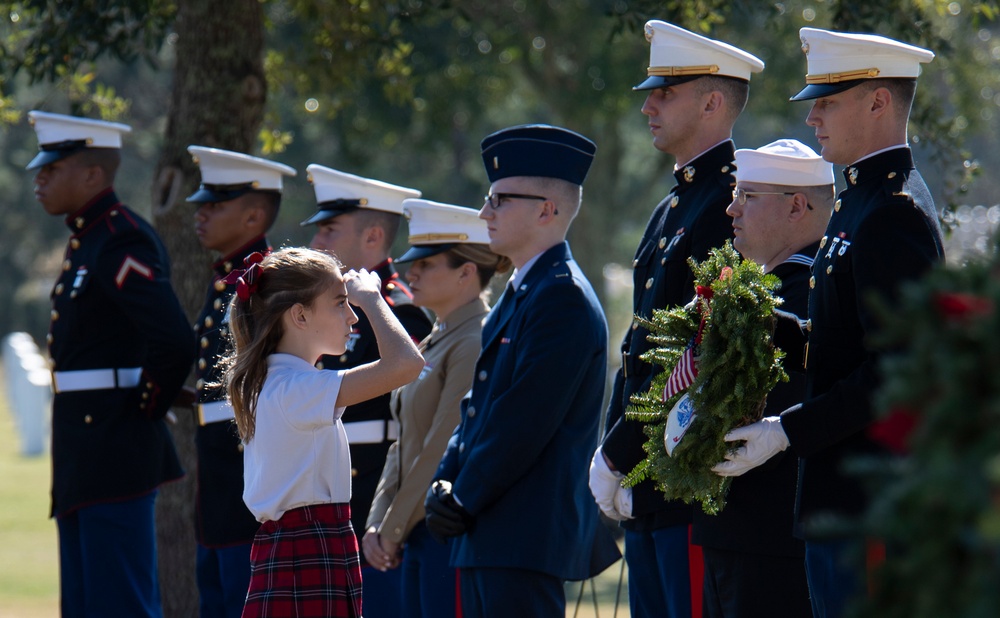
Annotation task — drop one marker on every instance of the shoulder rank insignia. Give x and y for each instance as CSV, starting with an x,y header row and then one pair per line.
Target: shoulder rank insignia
x,y
130,265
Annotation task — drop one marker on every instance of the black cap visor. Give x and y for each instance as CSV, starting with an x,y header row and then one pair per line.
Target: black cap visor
x,y
663,81
50,153
331,209
815,91
419,252
218,193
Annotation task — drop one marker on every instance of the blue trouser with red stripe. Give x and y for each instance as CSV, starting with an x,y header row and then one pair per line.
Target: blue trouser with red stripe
x,y
659,577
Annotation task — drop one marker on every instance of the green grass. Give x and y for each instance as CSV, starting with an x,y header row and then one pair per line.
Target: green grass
x,y
29,555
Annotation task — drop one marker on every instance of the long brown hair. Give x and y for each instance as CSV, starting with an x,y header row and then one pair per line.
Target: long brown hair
x,y
287,277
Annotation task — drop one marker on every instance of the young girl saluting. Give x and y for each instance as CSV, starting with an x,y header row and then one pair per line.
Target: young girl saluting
x,y
290,308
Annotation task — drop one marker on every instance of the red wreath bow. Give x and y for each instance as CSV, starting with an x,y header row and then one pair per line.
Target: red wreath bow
x,y
246,279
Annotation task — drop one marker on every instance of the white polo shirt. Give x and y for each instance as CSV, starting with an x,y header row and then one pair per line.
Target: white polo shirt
x,y
299,454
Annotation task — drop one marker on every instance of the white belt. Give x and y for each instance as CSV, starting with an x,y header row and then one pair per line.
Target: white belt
x,y
371,432
215,411
95,379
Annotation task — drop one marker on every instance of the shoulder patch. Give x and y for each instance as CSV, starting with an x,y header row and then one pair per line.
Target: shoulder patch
x,y
132,265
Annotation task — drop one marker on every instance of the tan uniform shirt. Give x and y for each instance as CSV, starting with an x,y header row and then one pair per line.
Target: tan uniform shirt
x,y
428,412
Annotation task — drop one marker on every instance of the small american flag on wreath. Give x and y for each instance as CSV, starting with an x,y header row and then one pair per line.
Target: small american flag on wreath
x,y
684,373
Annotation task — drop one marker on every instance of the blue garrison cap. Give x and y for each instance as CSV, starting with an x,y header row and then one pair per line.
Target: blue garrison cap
x,y
538,150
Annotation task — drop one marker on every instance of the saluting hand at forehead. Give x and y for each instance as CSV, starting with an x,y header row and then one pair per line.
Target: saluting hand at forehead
x,y
361,284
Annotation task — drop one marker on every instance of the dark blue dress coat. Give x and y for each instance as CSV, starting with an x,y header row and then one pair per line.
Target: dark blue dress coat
x,y
519,459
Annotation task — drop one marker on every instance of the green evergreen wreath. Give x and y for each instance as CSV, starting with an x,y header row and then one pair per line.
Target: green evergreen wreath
x,y
737,365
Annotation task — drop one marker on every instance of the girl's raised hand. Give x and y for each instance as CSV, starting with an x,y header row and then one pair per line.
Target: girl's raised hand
x,y
363,287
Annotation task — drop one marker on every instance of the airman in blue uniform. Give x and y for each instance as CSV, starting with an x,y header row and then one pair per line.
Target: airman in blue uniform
x,y
121,349
357,220
237,202
884,231
512,486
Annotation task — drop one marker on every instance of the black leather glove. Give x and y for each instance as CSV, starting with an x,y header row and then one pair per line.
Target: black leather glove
x,y
445,518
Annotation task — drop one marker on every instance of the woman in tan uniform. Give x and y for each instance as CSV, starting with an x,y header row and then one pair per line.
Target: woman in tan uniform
x,y
451,269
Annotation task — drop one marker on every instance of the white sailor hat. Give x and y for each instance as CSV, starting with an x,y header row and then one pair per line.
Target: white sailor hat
x,y
436,227
677,56
60,136
339,192
839,60
226,175
784,162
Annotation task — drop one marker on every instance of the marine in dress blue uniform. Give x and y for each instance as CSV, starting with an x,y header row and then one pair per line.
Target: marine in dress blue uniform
x,y
236,203
520,453
688,223
883,232
121,349
349,209
783,203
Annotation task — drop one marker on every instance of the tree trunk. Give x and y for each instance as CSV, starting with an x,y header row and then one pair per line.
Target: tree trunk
x,y
218,100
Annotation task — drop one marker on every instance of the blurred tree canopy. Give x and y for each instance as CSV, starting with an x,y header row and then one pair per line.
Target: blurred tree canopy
x,y
403,91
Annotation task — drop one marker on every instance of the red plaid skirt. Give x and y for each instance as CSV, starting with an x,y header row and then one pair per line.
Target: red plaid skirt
x,y
306,564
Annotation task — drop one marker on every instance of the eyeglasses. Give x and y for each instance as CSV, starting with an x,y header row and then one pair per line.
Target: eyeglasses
x,y
495,199
741,195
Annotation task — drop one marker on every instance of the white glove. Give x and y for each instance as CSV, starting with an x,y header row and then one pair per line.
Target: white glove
x,y
623,502
764,440
606,485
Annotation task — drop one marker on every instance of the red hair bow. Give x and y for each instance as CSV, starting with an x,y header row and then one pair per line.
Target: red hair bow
x,y
246,279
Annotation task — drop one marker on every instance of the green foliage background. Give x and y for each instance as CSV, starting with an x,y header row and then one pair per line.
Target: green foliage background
x,y
404,90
